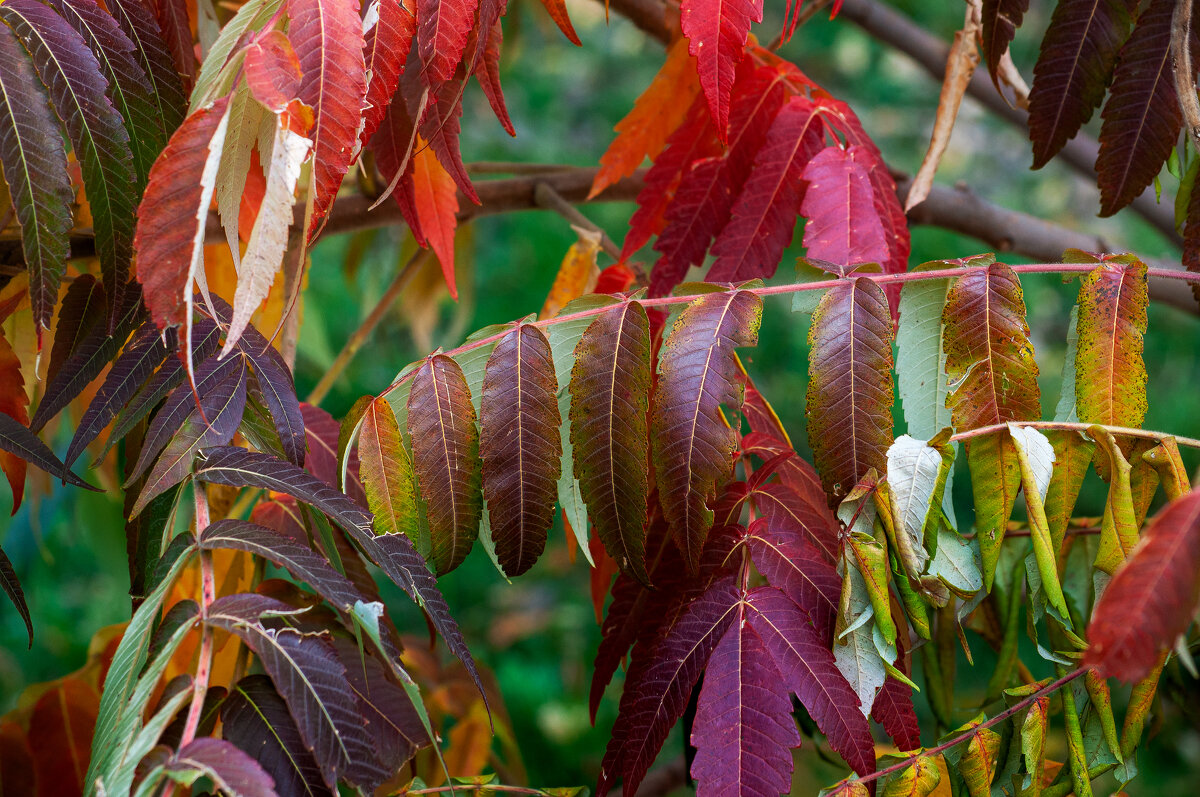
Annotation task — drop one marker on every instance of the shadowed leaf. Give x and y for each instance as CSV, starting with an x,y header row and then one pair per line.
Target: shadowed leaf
x,y
230,769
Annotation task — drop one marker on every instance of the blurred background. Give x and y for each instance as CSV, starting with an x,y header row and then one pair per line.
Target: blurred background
x,y
539,634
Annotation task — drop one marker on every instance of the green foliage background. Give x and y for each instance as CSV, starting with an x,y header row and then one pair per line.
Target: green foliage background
x,y
538,634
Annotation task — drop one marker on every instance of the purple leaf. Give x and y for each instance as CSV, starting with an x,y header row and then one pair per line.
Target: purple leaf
x,y
83,308
231,770
17,439
794,566
744,731
213,423
76,87
35,168
658,686
307,675
255,718
12,588
791,513
520,446
138,24
693,446
302,562
810,673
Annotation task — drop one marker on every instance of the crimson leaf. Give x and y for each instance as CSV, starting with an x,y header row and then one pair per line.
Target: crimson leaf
x,y
231,770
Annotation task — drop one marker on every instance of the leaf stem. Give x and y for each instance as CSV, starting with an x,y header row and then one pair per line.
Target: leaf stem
x,y
1016,708
1066,426
360,335
207,596
783,290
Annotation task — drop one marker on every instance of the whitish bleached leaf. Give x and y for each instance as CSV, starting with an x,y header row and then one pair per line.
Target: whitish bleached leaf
x,y
245,118
917,477
854,650
268,240
1038,451
957,563
1065,411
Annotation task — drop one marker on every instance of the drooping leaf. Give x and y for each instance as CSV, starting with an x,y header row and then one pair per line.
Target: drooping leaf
x,y
764,216
174,213
173,20
810,673
303,563
16,438
434,206
387,472
76,87
487,72
230,769
921,779
271,69
520,446
442,31
12,588
854,649
693,446
850,389
129,88
308,676
717,33
1073,70
920,346
843,225
1000,19
390,27
610,386
60,730
916,477
1119,526
441,423
1151,600
976,760
791,564
990,365
35,169
83,310
1110,374
328,39
268,239
657,690
557,9
219,68
658,111
139,26
213,423
255,718
743,731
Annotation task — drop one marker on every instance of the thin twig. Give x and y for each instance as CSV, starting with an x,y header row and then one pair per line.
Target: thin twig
x,y
1012,710
360,335
1185,80
879,279
546,197
1064,426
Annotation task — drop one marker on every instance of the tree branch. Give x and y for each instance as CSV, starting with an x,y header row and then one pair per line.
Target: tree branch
x,y
896,30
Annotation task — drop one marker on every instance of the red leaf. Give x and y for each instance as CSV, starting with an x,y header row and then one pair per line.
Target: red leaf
x,y
850,394
174,212
694,139
14,402
328,38
1073,70
439,123
272,70
1142,117
557,9
659,110
60,734
717,31
442,31
1152,597
809,672
699,208
843,227
659,685
436,205
744,731
764,216
487,72
894,710
790,561
386,48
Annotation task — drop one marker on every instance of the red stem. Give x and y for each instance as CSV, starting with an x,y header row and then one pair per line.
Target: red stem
x,y
207,596
777,290
962,737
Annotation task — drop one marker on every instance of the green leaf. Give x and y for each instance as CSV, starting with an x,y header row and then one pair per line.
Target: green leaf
x,y
610,397
1119,527
1036,457
693,445
1065,409
217,71
853,649
1033,745
1072,455
918,780
975,758
957,563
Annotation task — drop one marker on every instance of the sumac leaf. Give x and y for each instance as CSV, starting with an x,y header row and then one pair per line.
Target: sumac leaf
x,y
386,46
717,31
386,472
610,396
138,24
796,567
441,423
843,225
15,438
271,69
693,446
12,588
442,30
35,168
520,446
1110,373
1073,70
850,395
1000,19
1152,598
230,769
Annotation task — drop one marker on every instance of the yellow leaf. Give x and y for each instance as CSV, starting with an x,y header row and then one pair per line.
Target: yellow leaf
x,y
577,275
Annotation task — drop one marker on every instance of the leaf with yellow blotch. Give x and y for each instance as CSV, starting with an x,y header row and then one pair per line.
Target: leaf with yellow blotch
x,y
576,276
658,111
1110,374
917,780
975,760
992,379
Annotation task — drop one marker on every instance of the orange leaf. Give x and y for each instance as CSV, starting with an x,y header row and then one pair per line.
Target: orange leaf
x,y
557,9
658,111
435,200
576,276
60,733
252,194
14,401
16,762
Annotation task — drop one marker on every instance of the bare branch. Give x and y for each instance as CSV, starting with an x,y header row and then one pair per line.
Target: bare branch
x,y
1185,80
